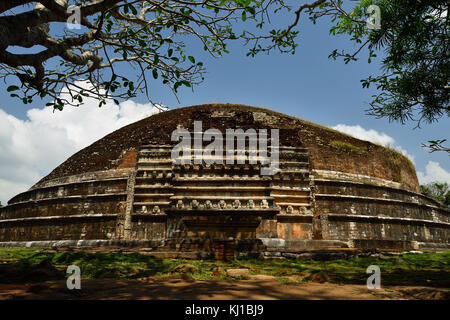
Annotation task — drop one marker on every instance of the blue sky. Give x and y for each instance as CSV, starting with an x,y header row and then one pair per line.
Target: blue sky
x,y
307,85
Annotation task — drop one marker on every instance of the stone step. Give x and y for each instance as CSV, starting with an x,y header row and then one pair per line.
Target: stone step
x,y
221,197
156,146
294,204
290,197
222,188
152,203
291,171
153,195
151,186
159,154
150,151
153,161
157,169
137,214
159,176
242,179
221,163
304,188
296,164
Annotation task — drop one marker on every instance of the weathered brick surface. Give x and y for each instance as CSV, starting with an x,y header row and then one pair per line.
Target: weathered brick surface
x,y
128,159
65,207
63,203
114,150
372,230
57,229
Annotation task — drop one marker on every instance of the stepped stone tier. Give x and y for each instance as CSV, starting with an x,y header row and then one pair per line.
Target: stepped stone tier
x,y
332,190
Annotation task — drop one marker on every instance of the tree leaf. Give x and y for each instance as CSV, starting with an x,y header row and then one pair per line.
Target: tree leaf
x,y
12,88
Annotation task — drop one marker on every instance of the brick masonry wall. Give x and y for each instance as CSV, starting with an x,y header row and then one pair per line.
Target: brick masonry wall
x,y
148,228
65,207
373,230
76,207
351,209
59,229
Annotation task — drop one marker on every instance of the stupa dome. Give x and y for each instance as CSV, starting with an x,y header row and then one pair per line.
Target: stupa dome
x,y
330,189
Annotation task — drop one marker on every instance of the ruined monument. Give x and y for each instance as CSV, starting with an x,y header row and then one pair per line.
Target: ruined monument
x,y
331,190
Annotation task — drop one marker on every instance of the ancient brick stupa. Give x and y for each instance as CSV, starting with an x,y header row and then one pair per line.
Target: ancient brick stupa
x,y
331,190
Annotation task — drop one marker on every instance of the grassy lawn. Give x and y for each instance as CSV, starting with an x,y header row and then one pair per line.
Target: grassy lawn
x,y
426,269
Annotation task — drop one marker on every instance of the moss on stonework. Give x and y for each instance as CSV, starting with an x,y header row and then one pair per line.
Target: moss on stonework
x,y
345,146
399,159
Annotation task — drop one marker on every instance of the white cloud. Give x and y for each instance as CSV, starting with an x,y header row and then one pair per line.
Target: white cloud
x,y
433,172
31,148
363,134
373,136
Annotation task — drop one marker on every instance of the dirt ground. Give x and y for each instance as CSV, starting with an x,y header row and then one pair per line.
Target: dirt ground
x,y
99,289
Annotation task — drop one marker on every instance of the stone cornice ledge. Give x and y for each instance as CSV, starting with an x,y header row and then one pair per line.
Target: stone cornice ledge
x,y
339,216
371,199
84,177
357,178
68,217
76,197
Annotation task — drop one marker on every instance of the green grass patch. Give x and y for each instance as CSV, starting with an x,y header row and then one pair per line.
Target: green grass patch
x,y
345,146
407,269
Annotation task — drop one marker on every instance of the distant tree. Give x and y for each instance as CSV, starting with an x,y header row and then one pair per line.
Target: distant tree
x,y
438,191
447,199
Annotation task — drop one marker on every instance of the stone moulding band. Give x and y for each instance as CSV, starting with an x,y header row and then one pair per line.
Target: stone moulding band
x,y
357,178
65,184
383,187
272,245
69,198
85,178
215,212
382,219
68,217
343,197
82,243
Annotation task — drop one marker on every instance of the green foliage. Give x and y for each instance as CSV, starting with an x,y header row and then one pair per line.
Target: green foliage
x,y
151,39
415,72
394,155
398,160
436,145
413,80
345,146
437,190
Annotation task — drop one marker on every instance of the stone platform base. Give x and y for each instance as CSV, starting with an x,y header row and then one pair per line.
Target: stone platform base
x,y
82,243
264,247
